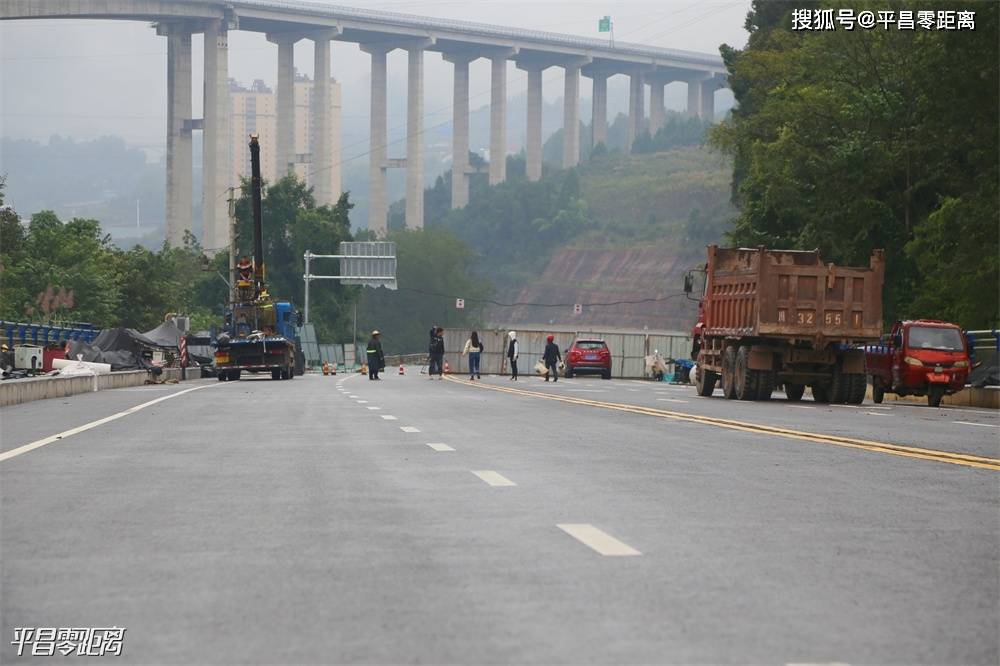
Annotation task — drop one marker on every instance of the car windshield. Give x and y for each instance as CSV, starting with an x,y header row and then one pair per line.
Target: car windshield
x,y
590,344
927,337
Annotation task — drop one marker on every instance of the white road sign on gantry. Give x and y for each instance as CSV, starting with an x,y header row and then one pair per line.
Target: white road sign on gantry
x,y
370,264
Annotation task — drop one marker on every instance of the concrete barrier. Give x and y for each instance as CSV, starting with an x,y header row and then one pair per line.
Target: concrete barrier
x,y
17,391
988,398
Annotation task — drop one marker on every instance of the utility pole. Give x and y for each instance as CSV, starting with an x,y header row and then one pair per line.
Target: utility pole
x,y
232,244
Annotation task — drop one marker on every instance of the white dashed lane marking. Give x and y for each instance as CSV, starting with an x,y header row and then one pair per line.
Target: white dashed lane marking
x,y
409,429
374,408
671,400
981,425
362,402
389,417
876,414
597,539
438,446
493,478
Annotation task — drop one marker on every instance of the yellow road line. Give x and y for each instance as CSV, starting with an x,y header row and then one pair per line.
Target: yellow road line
x,y
966,460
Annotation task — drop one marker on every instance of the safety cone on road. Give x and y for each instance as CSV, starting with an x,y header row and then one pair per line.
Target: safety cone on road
x,y
326,368
401,371
333,368
447,368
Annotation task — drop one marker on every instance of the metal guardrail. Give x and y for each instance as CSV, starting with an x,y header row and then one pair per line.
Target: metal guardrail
x,y
45,334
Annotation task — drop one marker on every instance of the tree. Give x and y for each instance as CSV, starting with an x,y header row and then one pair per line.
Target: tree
x,y
852,140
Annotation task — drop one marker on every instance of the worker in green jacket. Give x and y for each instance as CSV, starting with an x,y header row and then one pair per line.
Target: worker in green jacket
x,y
376,359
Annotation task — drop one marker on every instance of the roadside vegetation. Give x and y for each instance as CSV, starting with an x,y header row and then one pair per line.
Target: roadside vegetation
x,y
853,140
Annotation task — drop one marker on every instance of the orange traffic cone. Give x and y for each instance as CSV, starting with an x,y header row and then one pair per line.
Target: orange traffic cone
x,y
333,368
326,368
401,371
447,368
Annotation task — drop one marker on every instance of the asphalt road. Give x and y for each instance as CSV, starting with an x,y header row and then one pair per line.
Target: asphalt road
x,y
586,521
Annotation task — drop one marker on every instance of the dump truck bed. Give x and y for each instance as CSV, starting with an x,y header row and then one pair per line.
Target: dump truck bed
x,y
789,294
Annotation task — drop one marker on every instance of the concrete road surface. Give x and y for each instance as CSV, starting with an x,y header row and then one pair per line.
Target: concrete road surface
x,y
337,520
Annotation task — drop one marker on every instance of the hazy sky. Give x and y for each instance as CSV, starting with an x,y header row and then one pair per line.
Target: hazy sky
x,y
86,78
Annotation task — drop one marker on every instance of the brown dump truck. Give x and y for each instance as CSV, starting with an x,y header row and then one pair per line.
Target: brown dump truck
x,y
784,317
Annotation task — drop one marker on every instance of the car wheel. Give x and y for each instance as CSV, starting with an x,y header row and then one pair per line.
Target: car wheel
x,y
878,391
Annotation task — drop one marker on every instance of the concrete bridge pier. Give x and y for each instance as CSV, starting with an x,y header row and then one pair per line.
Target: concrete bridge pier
x,y
533,135
415,139
322,121
599,110
657,113
215,158
284,145
460,129
498,119
377,207
636,107
179,152
701,94
571,117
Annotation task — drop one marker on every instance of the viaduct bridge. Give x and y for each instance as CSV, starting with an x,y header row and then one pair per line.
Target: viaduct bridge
x,y
377,33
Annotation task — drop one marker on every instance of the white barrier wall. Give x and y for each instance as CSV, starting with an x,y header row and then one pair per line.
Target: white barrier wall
x,y
628,350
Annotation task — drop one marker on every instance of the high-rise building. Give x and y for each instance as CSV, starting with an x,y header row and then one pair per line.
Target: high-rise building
x,y
254,110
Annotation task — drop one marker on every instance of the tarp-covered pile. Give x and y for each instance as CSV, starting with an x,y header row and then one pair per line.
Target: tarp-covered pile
x,y
123,348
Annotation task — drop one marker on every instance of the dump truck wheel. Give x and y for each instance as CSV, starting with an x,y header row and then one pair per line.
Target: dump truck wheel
x,y
276,374
745,379
765,384
934,395
856,394
840,386
728,370
794,392
878,391
705,381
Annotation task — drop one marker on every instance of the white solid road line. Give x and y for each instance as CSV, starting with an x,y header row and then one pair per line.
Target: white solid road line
x,y
876,414
409,429
601,541
981,425
493,478
438,446
93,424
389,417
671,400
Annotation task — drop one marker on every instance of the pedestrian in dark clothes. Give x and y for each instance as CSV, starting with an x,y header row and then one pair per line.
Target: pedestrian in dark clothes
x,y
376,359
436,350
551,358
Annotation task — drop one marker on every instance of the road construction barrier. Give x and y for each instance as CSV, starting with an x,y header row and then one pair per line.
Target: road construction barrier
x,y
17,391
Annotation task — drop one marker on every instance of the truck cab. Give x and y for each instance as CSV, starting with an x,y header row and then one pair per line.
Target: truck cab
x,y
919,357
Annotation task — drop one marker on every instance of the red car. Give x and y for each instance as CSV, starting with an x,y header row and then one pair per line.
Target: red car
x,y
588,356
